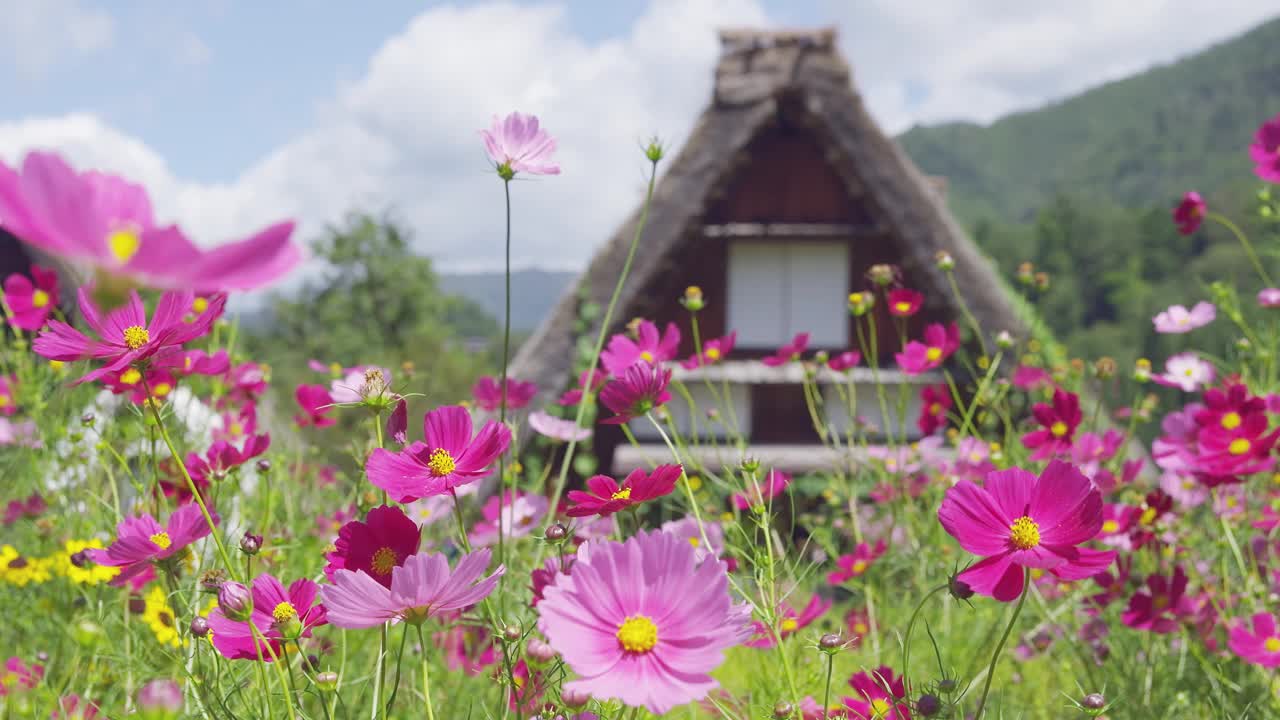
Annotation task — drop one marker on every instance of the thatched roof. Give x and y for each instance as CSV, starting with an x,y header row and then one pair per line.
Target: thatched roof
x,y
762,76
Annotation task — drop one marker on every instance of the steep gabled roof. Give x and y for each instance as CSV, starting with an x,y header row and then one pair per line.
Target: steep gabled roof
x,y
762,78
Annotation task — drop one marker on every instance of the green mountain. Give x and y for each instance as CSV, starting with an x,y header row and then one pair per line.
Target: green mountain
x,y
533,293
1136,142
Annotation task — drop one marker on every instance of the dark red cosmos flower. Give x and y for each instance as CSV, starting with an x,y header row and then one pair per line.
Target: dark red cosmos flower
x,y
1189,213
380,543
641,388
1058,425
935,401
606,496
905,302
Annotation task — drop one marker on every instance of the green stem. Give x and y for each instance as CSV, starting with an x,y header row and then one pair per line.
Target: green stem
x,y
426,675
1244,242
826,694
380,674
964,310
911,625
995,656
502,379
563,477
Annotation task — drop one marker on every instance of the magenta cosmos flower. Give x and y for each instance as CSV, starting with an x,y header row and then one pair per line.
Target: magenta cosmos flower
x,y
881,695
640,389
516,144
642,621
648,346
1058,423
574,396
18,675
316,404
1269,297
1178,319
791,622
905,302
1019,521
278,615
938,344
107,222
935,401
1265,150
376,546
773,485
140,540
487,392
449,458
125,337
31,300
789,352
423,587
846,360
606,496
556,428
852,566
713,351
1260,647
1189,213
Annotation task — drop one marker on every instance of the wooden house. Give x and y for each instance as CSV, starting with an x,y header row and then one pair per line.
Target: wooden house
x,y
784,196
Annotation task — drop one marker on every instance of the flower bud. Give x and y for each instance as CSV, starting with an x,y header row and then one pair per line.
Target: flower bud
x,y
263,465
80,559
199,627
860,303
235,601
1142,370
654,150
1104,368
512,633
783,710
945,262
1026,273
928,705
160,698
692,300
750,465
327,681
830,641
883,274
87,633
575,697
959,589
1094,701
947,685
1042,281
556,532
539,651
250,544
88,419
1004,340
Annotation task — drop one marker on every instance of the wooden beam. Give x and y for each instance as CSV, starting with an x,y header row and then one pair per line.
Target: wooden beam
x,y
786,231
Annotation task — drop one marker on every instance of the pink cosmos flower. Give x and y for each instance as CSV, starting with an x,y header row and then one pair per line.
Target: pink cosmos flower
x,y
1260,647
939,344
1117,521
574,396
852,566
713,351
1186,371
789,352
140,540
1265,150
24,433
1027,377
1058,425
518,513
18,675
33,506
375,546
904,302
846,360
235,426
1189,213
316,404
1017,520
422,588
277,615
606,496
791,623
487,393
1160,608
972,459
199,362
1185,489
125,337
935,401
222,457
687,528
557,428
74,707
107,223
449,458
248,381
1090,450
31,300
643,387
642,621
516,144
648,346
1269,297
773,484
1178,319
882,696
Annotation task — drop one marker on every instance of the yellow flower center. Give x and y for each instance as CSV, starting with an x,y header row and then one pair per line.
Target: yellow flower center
x,y
935,408
880,708
161,389
1148,516
135,336
161,539
933,354
1239,446
623,494
383,560
284,611
695,541
130,377
902,307
4,401
646,356
713,353
441,463
236,429
1110,526
637,634
124,244
789,625
1160,602
1272,644
1058,429
1024,533
39,298
199,305
861,628
859,566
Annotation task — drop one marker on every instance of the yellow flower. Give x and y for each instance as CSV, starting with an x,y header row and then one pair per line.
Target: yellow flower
x,y
17,569
86,572
158,615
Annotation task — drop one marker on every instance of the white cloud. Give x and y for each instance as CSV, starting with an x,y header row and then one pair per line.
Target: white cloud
x,y
38,34
979,59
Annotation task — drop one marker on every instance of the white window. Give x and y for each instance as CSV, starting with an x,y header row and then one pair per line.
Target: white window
x,y
779,289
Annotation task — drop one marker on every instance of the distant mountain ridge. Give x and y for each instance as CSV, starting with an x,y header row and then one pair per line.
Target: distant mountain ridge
x,y
533,293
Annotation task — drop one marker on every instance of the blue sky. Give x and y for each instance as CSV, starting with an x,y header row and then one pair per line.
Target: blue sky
x,y
235,113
